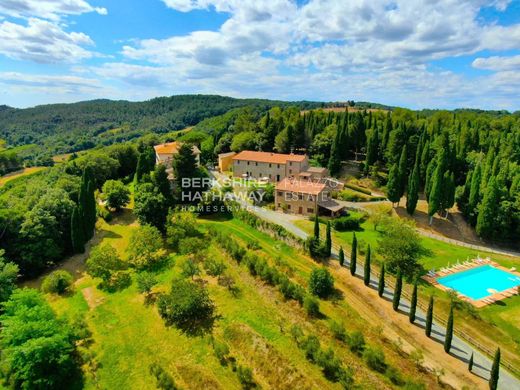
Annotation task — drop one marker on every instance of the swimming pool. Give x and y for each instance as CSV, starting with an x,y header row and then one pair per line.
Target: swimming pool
x,y
476,282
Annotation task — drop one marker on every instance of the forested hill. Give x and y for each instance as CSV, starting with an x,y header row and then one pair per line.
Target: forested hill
x,y
63,128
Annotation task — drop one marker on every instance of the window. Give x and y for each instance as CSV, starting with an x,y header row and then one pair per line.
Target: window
x,y
279,205
238,162
289,206
290,163
261,175
280,193
256,164
248,163
290,171
270,176
277,165
269,165
300,197
310,210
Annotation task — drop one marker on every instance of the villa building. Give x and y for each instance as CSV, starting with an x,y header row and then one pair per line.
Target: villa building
x,y
305,197
225,161
268,166
164,154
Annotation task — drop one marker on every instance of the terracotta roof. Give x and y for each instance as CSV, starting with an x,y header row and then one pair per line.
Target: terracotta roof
x,y
172,148
267,157
300,186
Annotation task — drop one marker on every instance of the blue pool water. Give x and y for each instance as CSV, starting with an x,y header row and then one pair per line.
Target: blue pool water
x,y
476,282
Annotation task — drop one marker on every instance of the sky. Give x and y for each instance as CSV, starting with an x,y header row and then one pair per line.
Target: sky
x,y
416,54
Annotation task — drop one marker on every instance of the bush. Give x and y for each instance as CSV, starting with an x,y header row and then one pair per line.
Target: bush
x,y
145,282
395,376
57,282
321,282
354,187
146,248
346,223
214,267
311,306
187,307
338,330
245,376
221,350
375,359
351,196
311,347
356,342
317,249
102,212
164,380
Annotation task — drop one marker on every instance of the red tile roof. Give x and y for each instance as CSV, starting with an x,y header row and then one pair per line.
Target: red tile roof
x,y
172,148
267,157
300,186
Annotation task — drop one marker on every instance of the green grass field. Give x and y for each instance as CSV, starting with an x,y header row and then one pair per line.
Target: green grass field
x,y
129,335
15,175
497,323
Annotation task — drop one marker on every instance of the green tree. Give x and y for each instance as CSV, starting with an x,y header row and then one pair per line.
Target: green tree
x,y
38,350
150,206
429,318
486,226
470,363
403,171
381,284
246,140
145,282
311,306
341,256
57,282
434,201
397,291
116,194
448,192
146,250
392,186
161,182
185,171
449,331
317,228
77,232
321,282
328,240
334,164
189,269
495,371
366,274
8,275
474,193
353,255
401,247
104,263
412,195
188,307
413,303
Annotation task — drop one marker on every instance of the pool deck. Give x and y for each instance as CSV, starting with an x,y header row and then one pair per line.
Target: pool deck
x,y
467,265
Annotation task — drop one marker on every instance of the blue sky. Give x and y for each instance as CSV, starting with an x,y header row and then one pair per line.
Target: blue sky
x,y
443,54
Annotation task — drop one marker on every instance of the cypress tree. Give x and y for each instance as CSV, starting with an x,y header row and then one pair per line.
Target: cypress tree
x,y
328,240
316,228
366,275
392,186
413,303
495,371
403,172
141,168
341,256
448,192
381,284
470,364
412,195
434,201
90,210
474,193
429,318
353,256
76,232
335,155
488,210
449,331
397,290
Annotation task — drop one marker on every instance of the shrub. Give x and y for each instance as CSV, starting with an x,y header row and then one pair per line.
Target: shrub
x,y
214,267
188,307
338,330
395,376
414,386
146,248
221,350
356,342
375,359
330,365
311,306
145,282
321,282
119,281
164,380
245,376
351,196
346,223
102,212
354,187
57,282
311,347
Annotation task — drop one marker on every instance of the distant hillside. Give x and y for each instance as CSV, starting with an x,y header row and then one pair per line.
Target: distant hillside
x,y
63,128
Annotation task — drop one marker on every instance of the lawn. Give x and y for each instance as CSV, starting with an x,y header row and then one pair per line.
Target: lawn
x,y
14,175
129,335
491,325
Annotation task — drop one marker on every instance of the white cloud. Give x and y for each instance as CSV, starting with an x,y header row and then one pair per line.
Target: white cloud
x,y
47,9
43,42
497,63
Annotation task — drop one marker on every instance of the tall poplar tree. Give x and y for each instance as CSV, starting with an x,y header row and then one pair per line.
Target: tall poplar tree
x,y
366,274
392,186
316,228
335,154
381,284
429,318
488,210
403,171
397,290
495,371
77,232
412,195
434,201
341,256
449,331
413,303
353,256
328,240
